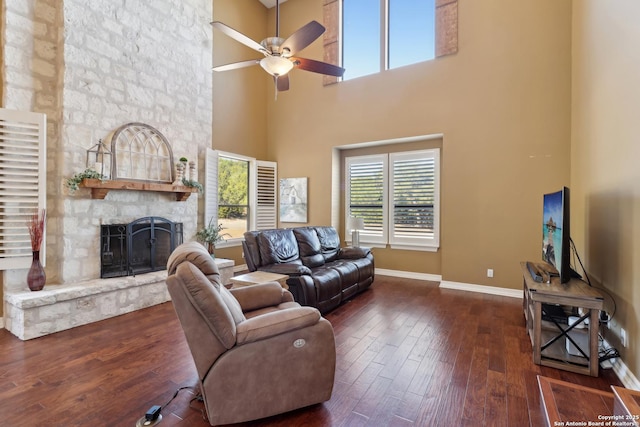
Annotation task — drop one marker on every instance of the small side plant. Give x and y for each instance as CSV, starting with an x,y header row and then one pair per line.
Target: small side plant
x,y
72,183
211,234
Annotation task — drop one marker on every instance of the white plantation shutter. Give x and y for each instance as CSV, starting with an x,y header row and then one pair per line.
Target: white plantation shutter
x,y
366,191
22,183
211,187
266,191
397,195
414,198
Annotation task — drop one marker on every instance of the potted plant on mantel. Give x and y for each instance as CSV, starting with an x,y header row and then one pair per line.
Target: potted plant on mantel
x,y
210,235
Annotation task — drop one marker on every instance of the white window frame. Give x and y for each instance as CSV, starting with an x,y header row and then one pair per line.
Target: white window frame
x,y
262,197
388,235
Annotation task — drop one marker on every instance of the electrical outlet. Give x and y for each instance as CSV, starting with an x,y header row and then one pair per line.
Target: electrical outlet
x,y
490,272
623,337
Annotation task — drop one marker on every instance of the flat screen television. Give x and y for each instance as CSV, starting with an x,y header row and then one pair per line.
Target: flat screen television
x,y
555,232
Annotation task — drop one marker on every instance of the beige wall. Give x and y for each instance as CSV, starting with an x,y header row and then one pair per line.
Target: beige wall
x,y
239,116
605,175
502,103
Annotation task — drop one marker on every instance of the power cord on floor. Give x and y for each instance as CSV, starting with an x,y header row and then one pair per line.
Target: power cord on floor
x,y
198,398
154,415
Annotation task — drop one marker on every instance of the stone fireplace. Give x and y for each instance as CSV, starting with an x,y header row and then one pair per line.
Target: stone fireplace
x,y
92,67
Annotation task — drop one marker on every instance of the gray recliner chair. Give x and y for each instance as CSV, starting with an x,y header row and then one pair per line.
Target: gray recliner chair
x,y
257,352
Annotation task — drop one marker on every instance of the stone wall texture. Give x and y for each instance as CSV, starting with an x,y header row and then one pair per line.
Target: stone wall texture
x,y
92,66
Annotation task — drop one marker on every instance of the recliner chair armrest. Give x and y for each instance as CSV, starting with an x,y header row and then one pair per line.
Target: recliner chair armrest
x,y
261,295
354,252
275,323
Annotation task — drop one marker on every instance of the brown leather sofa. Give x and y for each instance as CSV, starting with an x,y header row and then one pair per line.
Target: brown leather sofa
x,y
321,273
257,352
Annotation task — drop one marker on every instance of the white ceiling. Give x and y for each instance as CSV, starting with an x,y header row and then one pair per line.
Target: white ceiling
x,y
271,3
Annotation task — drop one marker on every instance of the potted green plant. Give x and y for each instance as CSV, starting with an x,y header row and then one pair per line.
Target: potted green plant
x,y
73,182
210,235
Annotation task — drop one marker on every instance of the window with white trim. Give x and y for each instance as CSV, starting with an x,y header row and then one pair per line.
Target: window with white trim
x,y
240,194
23,175
386,34
397,195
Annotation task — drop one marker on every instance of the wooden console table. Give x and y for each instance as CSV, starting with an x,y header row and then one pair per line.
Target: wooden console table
x,y
549,339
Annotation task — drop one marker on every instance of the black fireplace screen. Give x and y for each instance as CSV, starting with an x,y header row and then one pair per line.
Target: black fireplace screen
x,y
141,246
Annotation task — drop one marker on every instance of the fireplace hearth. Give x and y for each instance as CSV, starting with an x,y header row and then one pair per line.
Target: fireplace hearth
x,y
141,246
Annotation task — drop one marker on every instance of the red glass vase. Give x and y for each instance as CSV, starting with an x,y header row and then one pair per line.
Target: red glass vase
x,y
36,276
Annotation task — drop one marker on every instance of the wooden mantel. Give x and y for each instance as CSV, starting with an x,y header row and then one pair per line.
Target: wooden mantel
x,y
100,189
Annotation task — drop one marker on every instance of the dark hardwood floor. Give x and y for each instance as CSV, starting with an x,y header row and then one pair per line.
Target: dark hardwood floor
x,y
409,353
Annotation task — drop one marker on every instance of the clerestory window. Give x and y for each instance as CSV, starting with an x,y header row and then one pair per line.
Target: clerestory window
x,y
401,20
378,35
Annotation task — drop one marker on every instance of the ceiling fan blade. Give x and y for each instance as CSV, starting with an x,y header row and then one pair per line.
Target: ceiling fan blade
x,y
302,38
236,65
318,67
282,82
238,36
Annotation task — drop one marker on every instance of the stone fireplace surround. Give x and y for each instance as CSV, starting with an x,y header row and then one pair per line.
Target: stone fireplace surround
x,y
56,308
91,67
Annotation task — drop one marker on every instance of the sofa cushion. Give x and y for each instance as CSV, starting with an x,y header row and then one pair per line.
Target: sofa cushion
x,y
309,246
329,242
278,246
327,282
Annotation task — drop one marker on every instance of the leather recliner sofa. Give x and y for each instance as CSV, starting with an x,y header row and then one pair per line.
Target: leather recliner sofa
x,y
256,351
321,273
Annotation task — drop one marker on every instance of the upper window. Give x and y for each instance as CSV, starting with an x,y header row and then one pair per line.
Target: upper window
x,y
383,34
397,195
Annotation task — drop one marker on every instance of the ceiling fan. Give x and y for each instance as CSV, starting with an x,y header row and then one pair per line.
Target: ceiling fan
x,y
278,52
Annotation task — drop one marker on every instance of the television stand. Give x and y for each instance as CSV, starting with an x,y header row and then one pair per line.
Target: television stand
x,y
549,338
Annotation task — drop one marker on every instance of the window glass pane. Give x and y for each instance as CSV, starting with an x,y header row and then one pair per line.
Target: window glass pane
x,y
361,37
233,196
411,31
366,194
413,197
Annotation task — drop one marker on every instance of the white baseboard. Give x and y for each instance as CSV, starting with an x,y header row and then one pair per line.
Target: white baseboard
x,y
408,274
445,284
491,290
1,322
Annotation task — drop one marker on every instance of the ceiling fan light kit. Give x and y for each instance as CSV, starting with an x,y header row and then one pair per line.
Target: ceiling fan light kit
x,y
276,65
278,52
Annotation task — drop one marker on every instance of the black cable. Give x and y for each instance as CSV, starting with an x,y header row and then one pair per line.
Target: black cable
x,y
577,255
176,394
609,353
588,281
199,398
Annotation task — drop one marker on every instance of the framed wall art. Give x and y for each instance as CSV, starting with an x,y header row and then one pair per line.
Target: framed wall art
x,y
293,200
